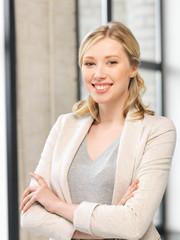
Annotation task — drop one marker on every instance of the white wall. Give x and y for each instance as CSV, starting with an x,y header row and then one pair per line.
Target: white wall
x,y
172,104
3,155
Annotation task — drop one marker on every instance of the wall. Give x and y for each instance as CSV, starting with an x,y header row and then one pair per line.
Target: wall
x,y
46,77
172,98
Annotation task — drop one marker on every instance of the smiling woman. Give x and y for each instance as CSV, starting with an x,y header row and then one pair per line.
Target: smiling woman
x,y
100,164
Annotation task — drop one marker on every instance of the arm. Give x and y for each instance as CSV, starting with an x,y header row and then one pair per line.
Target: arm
x,y
133,219
43,194
67,210
37,218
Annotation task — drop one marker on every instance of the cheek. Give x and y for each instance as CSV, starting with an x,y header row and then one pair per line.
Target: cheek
x,y
86,75
123,74
122,79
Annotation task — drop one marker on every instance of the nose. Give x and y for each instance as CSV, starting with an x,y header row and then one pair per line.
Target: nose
x,y
100,73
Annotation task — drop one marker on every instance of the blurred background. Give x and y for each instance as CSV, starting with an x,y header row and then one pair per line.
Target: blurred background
x,y
40,79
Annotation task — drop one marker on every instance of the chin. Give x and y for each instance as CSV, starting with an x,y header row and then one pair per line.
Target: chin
x,y
101,101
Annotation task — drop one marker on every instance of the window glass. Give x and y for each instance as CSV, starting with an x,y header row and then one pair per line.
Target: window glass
x,y
158,218
152,96
89,18
142,17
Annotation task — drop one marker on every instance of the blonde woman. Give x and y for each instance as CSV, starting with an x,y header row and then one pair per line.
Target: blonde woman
x,y
104,167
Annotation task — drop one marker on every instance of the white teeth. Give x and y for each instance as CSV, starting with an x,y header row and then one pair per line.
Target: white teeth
x,y
101,87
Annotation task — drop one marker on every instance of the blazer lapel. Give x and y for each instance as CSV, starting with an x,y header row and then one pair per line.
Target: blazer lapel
x,y
126,157
78,133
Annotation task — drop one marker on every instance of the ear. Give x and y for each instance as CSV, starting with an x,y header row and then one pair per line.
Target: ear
x,y
133,71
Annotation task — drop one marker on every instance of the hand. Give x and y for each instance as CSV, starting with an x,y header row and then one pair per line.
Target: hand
x,y
129,193
41,194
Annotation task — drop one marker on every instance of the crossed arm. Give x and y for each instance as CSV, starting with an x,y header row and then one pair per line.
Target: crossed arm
x,y
53,204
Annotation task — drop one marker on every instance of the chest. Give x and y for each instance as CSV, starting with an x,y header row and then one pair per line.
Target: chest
x,y
99,139
93,180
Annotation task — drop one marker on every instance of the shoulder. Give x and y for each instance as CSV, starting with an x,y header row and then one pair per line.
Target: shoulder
x,y
150,122
71,117
158,122
159,126
71,120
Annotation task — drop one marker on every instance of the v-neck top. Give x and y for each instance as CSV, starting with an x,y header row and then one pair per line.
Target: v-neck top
x,y
93,180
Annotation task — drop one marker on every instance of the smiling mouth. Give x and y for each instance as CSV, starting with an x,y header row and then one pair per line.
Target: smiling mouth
x,y
101,86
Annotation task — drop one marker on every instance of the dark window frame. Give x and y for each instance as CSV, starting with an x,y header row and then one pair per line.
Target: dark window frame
x,y
12,160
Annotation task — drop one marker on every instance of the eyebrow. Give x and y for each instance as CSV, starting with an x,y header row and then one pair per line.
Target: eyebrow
x,y
109,56
89,57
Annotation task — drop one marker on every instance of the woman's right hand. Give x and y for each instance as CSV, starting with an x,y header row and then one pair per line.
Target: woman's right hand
x,y
129,193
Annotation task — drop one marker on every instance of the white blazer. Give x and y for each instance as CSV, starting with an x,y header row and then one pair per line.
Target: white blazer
x,y
145,152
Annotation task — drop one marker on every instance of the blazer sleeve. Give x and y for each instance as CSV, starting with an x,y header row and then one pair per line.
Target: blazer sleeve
x,y
37,218
132,220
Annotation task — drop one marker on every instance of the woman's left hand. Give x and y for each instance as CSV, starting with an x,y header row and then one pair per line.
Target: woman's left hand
x,y
41,194
129,193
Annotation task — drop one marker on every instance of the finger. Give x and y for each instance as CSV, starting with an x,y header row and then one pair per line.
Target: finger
x,y
131,190
29,204
135,182
135,187
122,202
125,199
28,191
38,178
26,199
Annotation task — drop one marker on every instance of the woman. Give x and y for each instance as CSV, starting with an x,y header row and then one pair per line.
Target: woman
x,y
104,168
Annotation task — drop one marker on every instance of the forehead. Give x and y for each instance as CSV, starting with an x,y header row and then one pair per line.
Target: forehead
x,y
105,46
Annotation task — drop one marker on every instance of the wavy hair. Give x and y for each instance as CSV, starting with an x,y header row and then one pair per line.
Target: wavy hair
x,y
122,34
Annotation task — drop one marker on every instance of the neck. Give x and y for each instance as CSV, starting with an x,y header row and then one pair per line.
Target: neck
x,y
111,114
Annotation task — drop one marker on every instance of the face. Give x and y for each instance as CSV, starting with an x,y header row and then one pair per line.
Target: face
x,y
106,72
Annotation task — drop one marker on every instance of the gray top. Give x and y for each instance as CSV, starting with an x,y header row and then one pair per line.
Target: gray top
x,y
93,180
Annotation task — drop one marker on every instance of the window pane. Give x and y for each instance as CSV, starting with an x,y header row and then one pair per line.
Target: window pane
x,y
142,17
152,96
89,18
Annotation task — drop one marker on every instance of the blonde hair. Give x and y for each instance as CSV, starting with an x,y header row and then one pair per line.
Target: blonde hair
x,y
122,34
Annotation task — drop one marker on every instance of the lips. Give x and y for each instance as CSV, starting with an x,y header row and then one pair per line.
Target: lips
x,y
102,87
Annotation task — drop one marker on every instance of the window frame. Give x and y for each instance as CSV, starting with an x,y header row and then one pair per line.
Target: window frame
x,y
11,125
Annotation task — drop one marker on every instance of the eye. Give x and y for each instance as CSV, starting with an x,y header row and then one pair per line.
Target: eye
x,y
112,62
89,64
